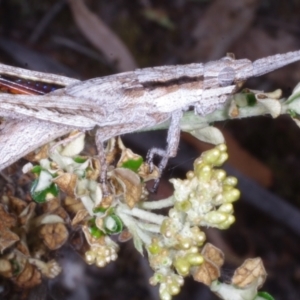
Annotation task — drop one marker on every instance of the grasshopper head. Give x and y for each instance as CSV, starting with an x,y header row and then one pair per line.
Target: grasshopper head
x,y
239,70
226,71
235,71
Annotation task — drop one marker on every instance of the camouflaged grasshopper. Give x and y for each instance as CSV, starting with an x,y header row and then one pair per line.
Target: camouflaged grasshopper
x,y
117,104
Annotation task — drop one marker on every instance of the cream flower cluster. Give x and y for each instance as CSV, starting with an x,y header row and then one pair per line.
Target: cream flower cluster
x,y
206,196
101,255
203,199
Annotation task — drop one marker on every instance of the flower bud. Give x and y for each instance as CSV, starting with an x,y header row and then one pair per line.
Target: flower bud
x,y
182,266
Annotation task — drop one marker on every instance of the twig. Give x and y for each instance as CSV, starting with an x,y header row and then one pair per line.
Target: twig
x,y
45,21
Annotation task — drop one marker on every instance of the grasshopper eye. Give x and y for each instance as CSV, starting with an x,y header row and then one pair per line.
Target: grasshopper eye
x,y
226,76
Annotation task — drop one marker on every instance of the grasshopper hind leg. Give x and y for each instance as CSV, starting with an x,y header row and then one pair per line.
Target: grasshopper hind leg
x,y
171,150
103,163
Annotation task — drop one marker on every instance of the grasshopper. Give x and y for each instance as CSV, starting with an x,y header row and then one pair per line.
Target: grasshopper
x,y
119,104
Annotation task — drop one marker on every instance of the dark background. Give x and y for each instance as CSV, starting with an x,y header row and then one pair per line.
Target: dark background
x,y
45,36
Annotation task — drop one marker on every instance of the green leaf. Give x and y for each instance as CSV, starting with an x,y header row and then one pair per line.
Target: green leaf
x,y
251,100
103,210
36,170
292,113
96,232
113,224
15,266
133,164
209,134
41,196
99,210
79,159
92,222
264,295
295,95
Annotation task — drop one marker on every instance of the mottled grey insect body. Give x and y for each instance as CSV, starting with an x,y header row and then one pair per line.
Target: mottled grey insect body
x,y
123,103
